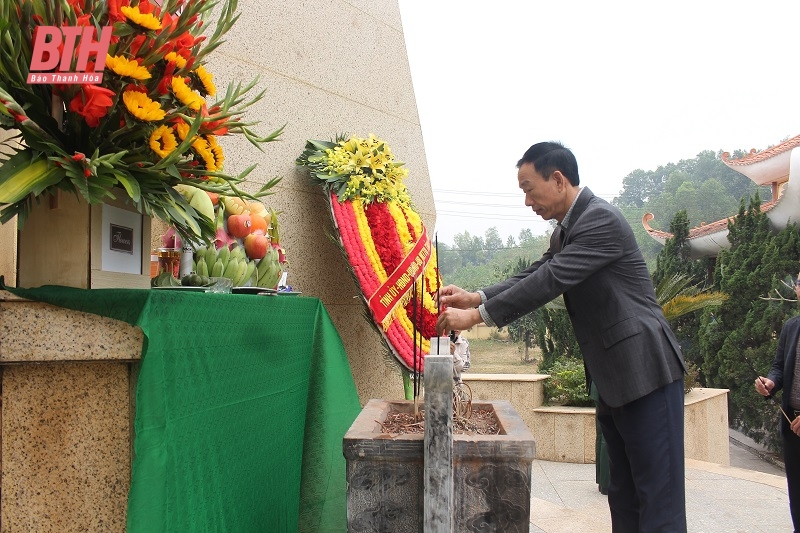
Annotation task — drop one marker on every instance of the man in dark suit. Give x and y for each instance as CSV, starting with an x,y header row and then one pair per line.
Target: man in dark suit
x,y
629,351
783,375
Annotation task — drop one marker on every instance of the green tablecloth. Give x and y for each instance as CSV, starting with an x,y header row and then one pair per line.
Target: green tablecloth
x,y
241,405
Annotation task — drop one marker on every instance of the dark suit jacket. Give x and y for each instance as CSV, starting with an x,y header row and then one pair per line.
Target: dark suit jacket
x,y
628,348
782,371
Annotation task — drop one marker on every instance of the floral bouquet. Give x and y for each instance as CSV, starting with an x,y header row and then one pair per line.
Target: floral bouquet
x,y
150,121
383,239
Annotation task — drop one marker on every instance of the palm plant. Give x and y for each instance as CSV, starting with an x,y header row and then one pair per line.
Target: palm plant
x,y
680,295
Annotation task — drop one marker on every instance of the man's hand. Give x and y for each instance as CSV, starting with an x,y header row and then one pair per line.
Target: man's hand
x,y
461,319
452,296
795,425
764,386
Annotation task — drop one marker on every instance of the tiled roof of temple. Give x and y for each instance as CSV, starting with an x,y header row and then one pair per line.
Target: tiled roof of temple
x,y
756,157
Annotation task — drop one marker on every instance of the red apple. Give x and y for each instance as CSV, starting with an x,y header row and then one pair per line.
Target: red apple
x,y
239,226
256,245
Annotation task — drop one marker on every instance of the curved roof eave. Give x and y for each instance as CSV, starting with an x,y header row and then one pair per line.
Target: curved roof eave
x,y
767,166
707,240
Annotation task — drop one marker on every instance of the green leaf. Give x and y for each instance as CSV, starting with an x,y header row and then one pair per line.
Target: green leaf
x,y
131,186
25,173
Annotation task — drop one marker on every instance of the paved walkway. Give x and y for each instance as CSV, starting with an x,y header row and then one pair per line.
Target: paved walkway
x,y
749,496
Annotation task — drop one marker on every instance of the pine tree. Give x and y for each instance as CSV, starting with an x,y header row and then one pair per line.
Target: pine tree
x,y
739,338
673,260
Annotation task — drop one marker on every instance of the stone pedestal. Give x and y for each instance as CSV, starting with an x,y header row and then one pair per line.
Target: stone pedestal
x,y
492,473
67,382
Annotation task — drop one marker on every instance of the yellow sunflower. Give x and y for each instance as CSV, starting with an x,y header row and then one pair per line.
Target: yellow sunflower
x,y
179,61
128,68
182,129
219,155
163,141
186,96
142,107
205,81
137,18
200,146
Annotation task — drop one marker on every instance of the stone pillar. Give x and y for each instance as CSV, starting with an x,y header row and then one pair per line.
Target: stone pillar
x,y
438,451
67,415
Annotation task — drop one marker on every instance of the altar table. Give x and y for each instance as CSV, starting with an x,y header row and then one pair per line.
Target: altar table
x,y
241,404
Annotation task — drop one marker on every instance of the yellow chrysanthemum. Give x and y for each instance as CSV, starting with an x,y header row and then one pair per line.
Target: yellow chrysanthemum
x,y
179,61
205,81
142,107
128,68
163,141
186,96
137,18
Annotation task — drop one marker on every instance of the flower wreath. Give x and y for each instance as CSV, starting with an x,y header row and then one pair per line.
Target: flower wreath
x,y
383,239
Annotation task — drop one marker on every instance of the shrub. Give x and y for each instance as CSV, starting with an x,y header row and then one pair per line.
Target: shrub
x,y
691,380
567,384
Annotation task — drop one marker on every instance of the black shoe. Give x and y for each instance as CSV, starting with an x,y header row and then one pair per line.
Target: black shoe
x,y
603,491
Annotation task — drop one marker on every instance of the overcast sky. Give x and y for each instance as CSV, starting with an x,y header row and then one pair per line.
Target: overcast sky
x,y
625,84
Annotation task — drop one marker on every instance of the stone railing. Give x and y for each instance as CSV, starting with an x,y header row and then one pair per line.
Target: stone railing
x,y
567,434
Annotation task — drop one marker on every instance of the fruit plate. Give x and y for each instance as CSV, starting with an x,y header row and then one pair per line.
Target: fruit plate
x,y
182,288
273,292
251,290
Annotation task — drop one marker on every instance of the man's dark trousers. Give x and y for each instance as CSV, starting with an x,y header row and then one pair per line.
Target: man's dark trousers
x,y
791,461
646,436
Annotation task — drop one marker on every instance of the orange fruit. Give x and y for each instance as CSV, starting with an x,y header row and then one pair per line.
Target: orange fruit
x,y
258,224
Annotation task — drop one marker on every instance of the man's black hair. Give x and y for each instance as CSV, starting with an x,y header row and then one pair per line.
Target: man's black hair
x,y
547,157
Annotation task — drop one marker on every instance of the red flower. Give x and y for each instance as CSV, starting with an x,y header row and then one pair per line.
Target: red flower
x,y
136,44
185,40
384,235
212,126
17,116
166,80
146,8
92,103
114,14
76,6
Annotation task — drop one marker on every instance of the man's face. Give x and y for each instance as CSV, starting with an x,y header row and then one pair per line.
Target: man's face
x,y
545,197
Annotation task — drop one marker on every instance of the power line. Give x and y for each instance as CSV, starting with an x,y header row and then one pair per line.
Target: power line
x,y
508,194
520,206
488,216
486,249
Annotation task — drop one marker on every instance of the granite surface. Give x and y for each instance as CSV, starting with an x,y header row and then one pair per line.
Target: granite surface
x,y
65,447
39,332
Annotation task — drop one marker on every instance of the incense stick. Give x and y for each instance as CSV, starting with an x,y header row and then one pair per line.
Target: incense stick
x,y
438,296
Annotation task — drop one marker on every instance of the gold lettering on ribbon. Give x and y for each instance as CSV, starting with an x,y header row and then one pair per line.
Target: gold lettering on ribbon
x,y
388,295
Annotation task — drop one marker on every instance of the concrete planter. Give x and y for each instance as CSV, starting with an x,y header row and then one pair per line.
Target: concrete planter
x,y
492,474
567,434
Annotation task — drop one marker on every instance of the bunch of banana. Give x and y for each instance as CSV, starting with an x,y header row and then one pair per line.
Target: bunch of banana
x,y
268,270
226,263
